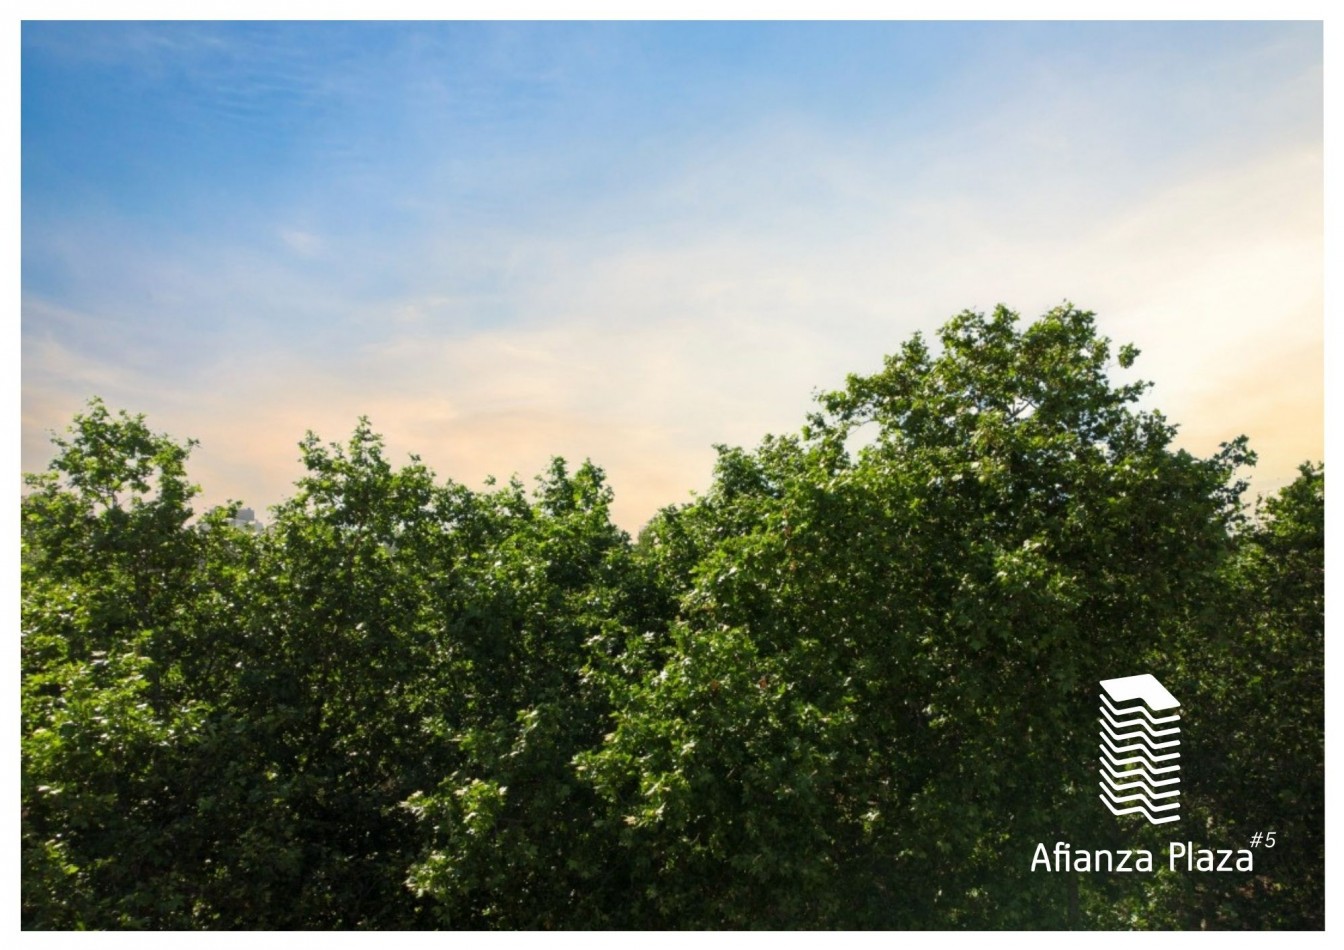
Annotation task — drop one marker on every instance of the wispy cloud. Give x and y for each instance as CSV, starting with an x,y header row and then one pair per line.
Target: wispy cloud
x,y
638,295
303,243
641,358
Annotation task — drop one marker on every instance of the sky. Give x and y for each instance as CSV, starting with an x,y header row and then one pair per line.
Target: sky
x,y
631,241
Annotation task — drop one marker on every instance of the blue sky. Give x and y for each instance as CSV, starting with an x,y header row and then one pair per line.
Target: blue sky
x,y
631,241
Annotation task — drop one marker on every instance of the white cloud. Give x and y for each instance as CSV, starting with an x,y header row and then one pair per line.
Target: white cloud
x,y
303,243
706,304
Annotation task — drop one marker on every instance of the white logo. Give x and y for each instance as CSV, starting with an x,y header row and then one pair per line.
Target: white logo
x,y
1139,749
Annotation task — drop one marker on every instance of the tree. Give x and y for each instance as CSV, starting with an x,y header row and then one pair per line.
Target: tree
x,y
882,673
112,665
513,836
853,685
1259,654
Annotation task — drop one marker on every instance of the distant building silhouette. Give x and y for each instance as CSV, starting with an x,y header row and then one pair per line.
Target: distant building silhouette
x,y
246,519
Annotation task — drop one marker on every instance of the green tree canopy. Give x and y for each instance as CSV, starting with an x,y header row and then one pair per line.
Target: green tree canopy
x,y
852,685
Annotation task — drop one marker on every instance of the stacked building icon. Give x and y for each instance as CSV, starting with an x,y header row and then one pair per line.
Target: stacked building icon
x,y
1140,746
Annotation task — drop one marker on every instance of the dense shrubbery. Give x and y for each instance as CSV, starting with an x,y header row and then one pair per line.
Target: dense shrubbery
x,y
841,689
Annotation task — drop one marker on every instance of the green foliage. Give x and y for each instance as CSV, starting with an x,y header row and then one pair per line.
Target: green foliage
x,y
909,636
850,686
1260,658
108,703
